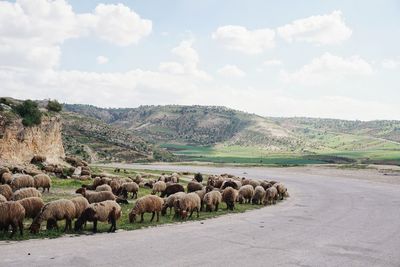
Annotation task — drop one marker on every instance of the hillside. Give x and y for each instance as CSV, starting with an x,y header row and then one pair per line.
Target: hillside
x,y
210,133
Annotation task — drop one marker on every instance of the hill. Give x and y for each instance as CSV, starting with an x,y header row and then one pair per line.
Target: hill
x,y
219,134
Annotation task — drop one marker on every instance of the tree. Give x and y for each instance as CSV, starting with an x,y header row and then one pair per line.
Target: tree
x,y
29,112
54,106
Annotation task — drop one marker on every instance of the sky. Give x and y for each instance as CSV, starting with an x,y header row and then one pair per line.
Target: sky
x,y
330,59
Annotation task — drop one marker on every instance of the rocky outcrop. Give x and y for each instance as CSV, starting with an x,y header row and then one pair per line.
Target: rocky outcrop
x,y
19,144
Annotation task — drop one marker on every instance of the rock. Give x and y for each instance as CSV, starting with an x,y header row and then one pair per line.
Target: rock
x,y
77,172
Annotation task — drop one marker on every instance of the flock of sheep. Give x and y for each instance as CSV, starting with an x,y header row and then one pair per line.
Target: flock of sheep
x,y
100,201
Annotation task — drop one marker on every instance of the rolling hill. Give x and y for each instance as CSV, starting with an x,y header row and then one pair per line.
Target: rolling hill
x,y
219,134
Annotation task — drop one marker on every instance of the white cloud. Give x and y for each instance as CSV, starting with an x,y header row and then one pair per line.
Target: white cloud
x,y
190,60
120,25
101,60
322,29
231,71
31,32
272,62
390,64
238,38
327,68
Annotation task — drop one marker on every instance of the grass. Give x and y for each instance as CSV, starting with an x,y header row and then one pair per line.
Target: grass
x,y
63,188
340,150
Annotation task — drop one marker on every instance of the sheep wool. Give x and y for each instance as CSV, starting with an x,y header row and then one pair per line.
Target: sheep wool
x,y
80,204
32,206
103,187
42,180
6,191
12,213
21,181
25,193
149,203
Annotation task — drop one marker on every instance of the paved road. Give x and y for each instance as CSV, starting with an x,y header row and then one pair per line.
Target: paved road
x,y
328,221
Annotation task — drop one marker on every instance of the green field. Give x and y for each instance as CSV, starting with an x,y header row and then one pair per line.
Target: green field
x,y
387,153
65,188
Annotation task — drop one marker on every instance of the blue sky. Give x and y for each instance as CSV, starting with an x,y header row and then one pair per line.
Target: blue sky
x,y
337,59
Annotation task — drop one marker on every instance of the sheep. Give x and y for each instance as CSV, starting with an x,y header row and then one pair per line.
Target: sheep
x,y
12,213
6,178
32,206
212,199
103,187
170,203
105,211
94,197
254,183
189,203
21,181
80,204
3,199
246,193
281,188
149,203
57,210
25,193
201,194
42,180
259,195
115,185
159,186
172,189
271,195
6,191
230,183
229,196
130,187
194,186
138,179
265,185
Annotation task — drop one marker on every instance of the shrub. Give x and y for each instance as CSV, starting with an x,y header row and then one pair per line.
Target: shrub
x,y
198,177
54,106
29,112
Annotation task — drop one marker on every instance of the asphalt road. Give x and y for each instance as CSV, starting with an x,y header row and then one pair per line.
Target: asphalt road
x,y
327,221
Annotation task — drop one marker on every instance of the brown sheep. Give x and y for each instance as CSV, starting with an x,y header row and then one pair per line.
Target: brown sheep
x,y
12,213
103,187
281,188
106,211
6,178
159,187
54,211
271,195
189,203
94,197
229,196
170,203
259,195
212,199
265,185
130,187
6,191
194,186
32,206
149,203
80,204
25,193
246,193
42,180
21,181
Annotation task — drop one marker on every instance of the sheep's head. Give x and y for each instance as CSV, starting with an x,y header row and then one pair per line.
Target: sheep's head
x,y
81,190
34,228
184,214
87,215
132,216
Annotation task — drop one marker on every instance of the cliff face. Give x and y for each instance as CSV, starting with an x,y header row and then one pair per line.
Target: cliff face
x,y
18,144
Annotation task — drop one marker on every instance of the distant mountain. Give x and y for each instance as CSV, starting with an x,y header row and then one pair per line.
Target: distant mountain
x,y
211,125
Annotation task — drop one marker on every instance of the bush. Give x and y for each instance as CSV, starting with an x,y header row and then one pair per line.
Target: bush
x,y
54,106
29,112
198,177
